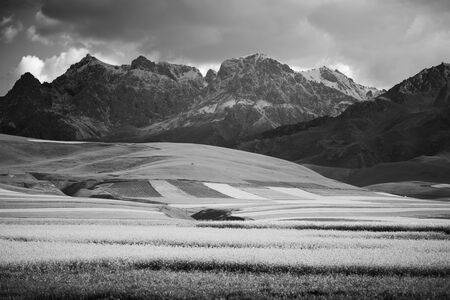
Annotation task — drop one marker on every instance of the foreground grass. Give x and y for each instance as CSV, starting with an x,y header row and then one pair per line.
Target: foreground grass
x,y
272,260
402,258
112,283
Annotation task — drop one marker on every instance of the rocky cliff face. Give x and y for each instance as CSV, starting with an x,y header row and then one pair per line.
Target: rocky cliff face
x,y
247,96
162,101
93,99
337,80
409,120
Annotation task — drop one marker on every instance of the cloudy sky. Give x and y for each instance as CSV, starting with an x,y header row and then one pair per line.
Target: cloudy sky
x,y
378,43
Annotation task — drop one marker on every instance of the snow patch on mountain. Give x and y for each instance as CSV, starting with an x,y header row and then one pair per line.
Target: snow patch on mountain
x,y
337,80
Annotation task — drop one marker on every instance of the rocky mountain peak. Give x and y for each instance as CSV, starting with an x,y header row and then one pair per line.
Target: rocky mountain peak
x,y
88,63
143,63
329,74
26,82
259,63
173,71
337,80
28,79
257,57
210,76
179,72
422,88
87,60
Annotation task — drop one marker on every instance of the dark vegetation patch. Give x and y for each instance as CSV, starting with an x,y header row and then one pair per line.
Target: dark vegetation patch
x,y
326,220
103,283
377,227
216,214
214,265
437,216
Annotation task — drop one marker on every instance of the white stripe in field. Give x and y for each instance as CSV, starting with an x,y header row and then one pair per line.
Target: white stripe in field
x,y
82,209
269,194
387,194
232,192
296,192
168,190
441,185
8,192
208,205
56,142
33,197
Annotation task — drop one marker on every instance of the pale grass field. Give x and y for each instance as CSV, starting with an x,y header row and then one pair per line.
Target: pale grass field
x,y
219,237
434,258
271,248
215,260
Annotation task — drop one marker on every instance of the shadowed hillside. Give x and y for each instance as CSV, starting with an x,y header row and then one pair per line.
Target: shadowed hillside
x,y
385,135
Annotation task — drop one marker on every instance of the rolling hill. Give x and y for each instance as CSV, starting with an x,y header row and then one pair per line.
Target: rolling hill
x,y
179,182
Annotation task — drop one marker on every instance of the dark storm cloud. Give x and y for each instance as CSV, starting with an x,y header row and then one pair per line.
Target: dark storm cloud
x,y
366,38
179,28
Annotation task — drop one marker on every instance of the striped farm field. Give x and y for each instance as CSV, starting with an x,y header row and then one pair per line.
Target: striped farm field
x,y
177,221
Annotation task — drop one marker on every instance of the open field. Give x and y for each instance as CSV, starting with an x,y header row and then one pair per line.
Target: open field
x,y
167,220
186,260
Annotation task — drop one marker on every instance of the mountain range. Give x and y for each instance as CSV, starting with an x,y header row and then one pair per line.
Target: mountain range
x,y
401,135
319,118
148,101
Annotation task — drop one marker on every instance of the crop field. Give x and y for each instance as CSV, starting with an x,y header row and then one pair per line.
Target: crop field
x,y
126,249
204,260
201,222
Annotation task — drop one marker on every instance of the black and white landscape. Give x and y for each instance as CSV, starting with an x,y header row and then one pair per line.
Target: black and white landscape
x,y
145,154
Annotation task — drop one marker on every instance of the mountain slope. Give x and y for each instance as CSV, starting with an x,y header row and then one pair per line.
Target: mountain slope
x,y
409,120
249,95
339,81
147,101
93,98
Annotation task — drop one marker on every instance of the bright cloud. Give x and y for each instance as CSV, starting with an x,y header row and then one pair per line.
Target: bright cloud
x,y
50,68
31,64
